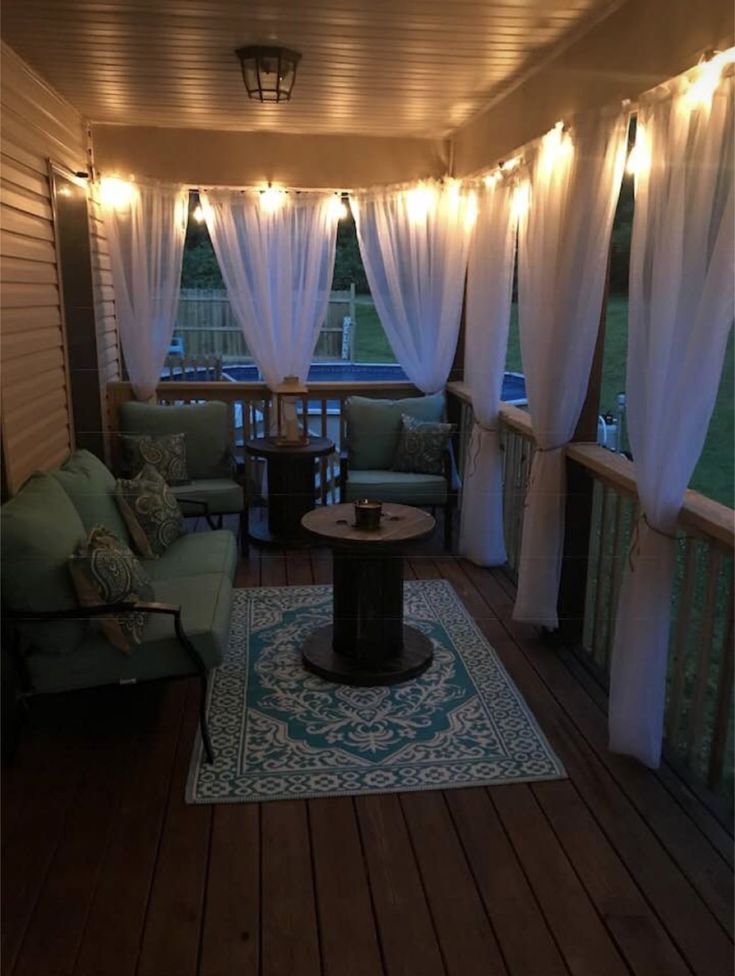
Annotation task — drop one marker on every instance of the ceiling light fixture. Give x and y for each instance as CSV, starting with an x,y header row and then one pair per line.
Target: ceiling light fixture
x,y
268,72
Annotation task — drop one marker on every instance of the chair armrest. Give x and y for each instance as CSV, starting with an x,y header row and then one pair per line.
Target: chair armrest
x,y
194,501
102,610
344,466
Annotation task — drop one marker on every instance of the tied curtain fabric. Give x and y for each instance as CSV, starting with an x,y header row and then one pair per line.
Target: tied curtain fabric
x,y
563,243
276,254
414,247
681,313
146,239
487,317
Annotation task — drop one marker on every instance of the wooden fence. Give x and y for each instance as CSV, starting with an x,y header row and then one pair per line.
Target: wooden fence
x,y
208,327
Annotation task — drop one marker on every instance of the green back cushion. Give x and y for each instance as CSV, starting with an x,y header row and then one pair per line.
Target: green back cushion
x,y
373,427
39,530
205,425
91,487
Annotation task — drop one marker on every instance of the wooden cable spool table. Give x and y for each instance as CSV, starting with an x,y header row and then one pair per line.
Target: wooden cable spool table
x,y
368,643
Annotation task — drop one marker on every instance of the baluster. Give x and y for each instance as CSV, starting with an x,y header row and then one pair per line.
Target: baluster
x,y
723,703
681,634
698,708
599,611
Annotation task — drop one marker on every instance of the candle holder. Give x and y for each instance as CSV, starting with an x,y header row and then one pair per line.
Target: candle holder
x,y
368,514
291,429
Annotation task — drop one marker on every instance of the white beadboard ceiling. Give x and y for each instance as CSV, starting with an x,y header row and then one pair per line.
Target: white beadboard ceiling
x,y
380,67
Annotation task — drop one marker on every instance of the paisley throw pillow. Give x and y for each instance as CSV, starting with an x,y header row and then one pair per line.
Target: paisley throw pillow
x,y
166,453
104,570
421,446
151,512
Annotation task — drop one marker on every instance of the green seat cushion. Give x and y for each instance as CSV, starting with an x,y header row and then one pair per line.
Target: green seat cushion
x,y
222,495
206,603
206,426
91,487
397,486
194,554
39,530
373,426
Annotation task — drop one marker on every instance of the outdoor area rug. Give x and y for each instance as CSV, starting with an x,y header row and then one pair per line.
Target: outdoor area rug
x,y
280,732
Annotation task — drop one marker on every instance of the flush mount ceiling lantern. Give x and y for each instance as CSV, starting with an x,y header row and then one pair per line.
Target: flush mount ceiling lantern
x,y
268,72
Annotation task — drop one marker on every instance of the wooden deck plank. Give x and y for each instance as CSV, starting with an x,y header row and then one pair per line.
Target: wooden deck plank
x,y
582,937
178,891
289,930
522,931
702,865
111,941
231,931
688,921
465,934
348,934
405,924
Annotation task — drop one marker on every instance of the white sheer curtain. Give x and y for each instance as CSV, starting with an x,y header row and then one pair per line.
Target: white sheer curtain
x,y
681,313
563,243
487,316
414,248
146,227
276,254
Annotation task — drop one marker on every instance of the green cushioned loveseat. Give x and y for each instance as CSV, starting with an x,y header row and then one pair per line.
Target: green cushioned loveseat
x,y
60,647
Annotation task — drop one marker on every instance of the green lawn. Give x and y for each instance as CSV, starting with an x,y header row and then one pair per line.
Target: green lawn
x,y
714,474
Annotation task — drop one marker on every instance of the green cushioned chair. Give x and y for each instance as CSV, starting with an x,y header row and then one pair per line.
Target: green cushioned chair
x,y
215,488
372,429
55,643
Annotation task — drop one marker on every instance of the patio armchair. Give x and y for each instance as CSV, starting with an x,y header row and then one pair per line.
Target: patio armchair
x,y
215,488
372,430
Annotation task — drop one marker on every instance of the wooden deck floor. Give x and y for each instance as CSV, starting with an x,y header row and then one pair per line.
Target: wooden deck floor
x,y
106,872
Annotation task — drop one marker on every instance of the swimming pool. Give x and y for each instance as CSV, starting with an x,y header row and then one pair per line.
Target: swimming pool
x,y
514,384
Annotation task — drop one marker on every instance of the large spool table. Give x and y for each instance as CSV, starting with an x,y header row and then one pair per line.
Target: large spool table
x,y
367,642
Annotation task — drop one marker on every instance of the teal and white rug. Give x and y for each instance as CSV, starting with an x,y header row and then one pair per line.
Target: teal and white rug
x,y
279,732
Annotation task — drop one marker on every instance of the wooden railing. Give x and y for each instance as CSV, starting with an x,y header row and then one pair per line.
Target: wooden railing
x,y
699,718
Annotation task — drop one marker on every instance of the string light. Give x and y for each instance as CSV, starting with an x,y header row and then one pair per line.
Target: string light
x,y
706,79
492,179
556,148
272,199
470,214
419,201
338,209
521,200
639,157
116,193
510,164
198,214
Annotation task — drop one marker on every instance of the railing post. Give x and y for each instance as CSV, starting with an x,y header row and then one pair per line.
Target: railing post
x,y
578,513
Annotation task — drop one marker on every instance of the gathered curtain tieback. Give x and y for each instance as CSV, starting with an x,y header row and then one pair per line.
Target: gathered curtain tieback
x,y
475,453
635,541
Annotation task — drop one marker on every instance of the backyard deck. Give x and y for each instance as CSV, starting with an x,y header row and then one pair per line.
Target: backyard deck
x,y
107,872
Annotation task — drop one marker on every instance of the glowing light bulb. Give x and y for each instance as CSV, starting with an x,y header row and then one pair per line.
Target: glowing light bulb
x,y
556,148
470,213
521,200
706,79
639,157
198,214
492,179
454,195
338,209
272,199
419,201
116,193
510,164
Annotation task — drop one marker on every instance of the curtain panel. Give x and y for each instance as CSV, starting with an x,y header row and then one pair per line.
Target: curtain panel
x,y
487,317
146,238
414,246
276,254
680,314
563,243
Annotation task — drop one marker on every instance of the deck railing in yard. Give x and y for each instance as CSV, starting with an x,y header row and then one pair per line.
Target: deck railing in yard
x,y
699,717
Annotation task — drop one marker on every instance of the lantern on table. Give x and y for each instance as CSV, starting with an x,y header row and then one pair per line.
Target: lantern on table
x,y
292,412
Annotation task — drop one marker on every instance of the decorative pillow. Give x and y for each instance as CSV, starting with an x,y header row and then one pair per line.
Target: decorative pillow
x,y
151,512
421,446
166,453
104,570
